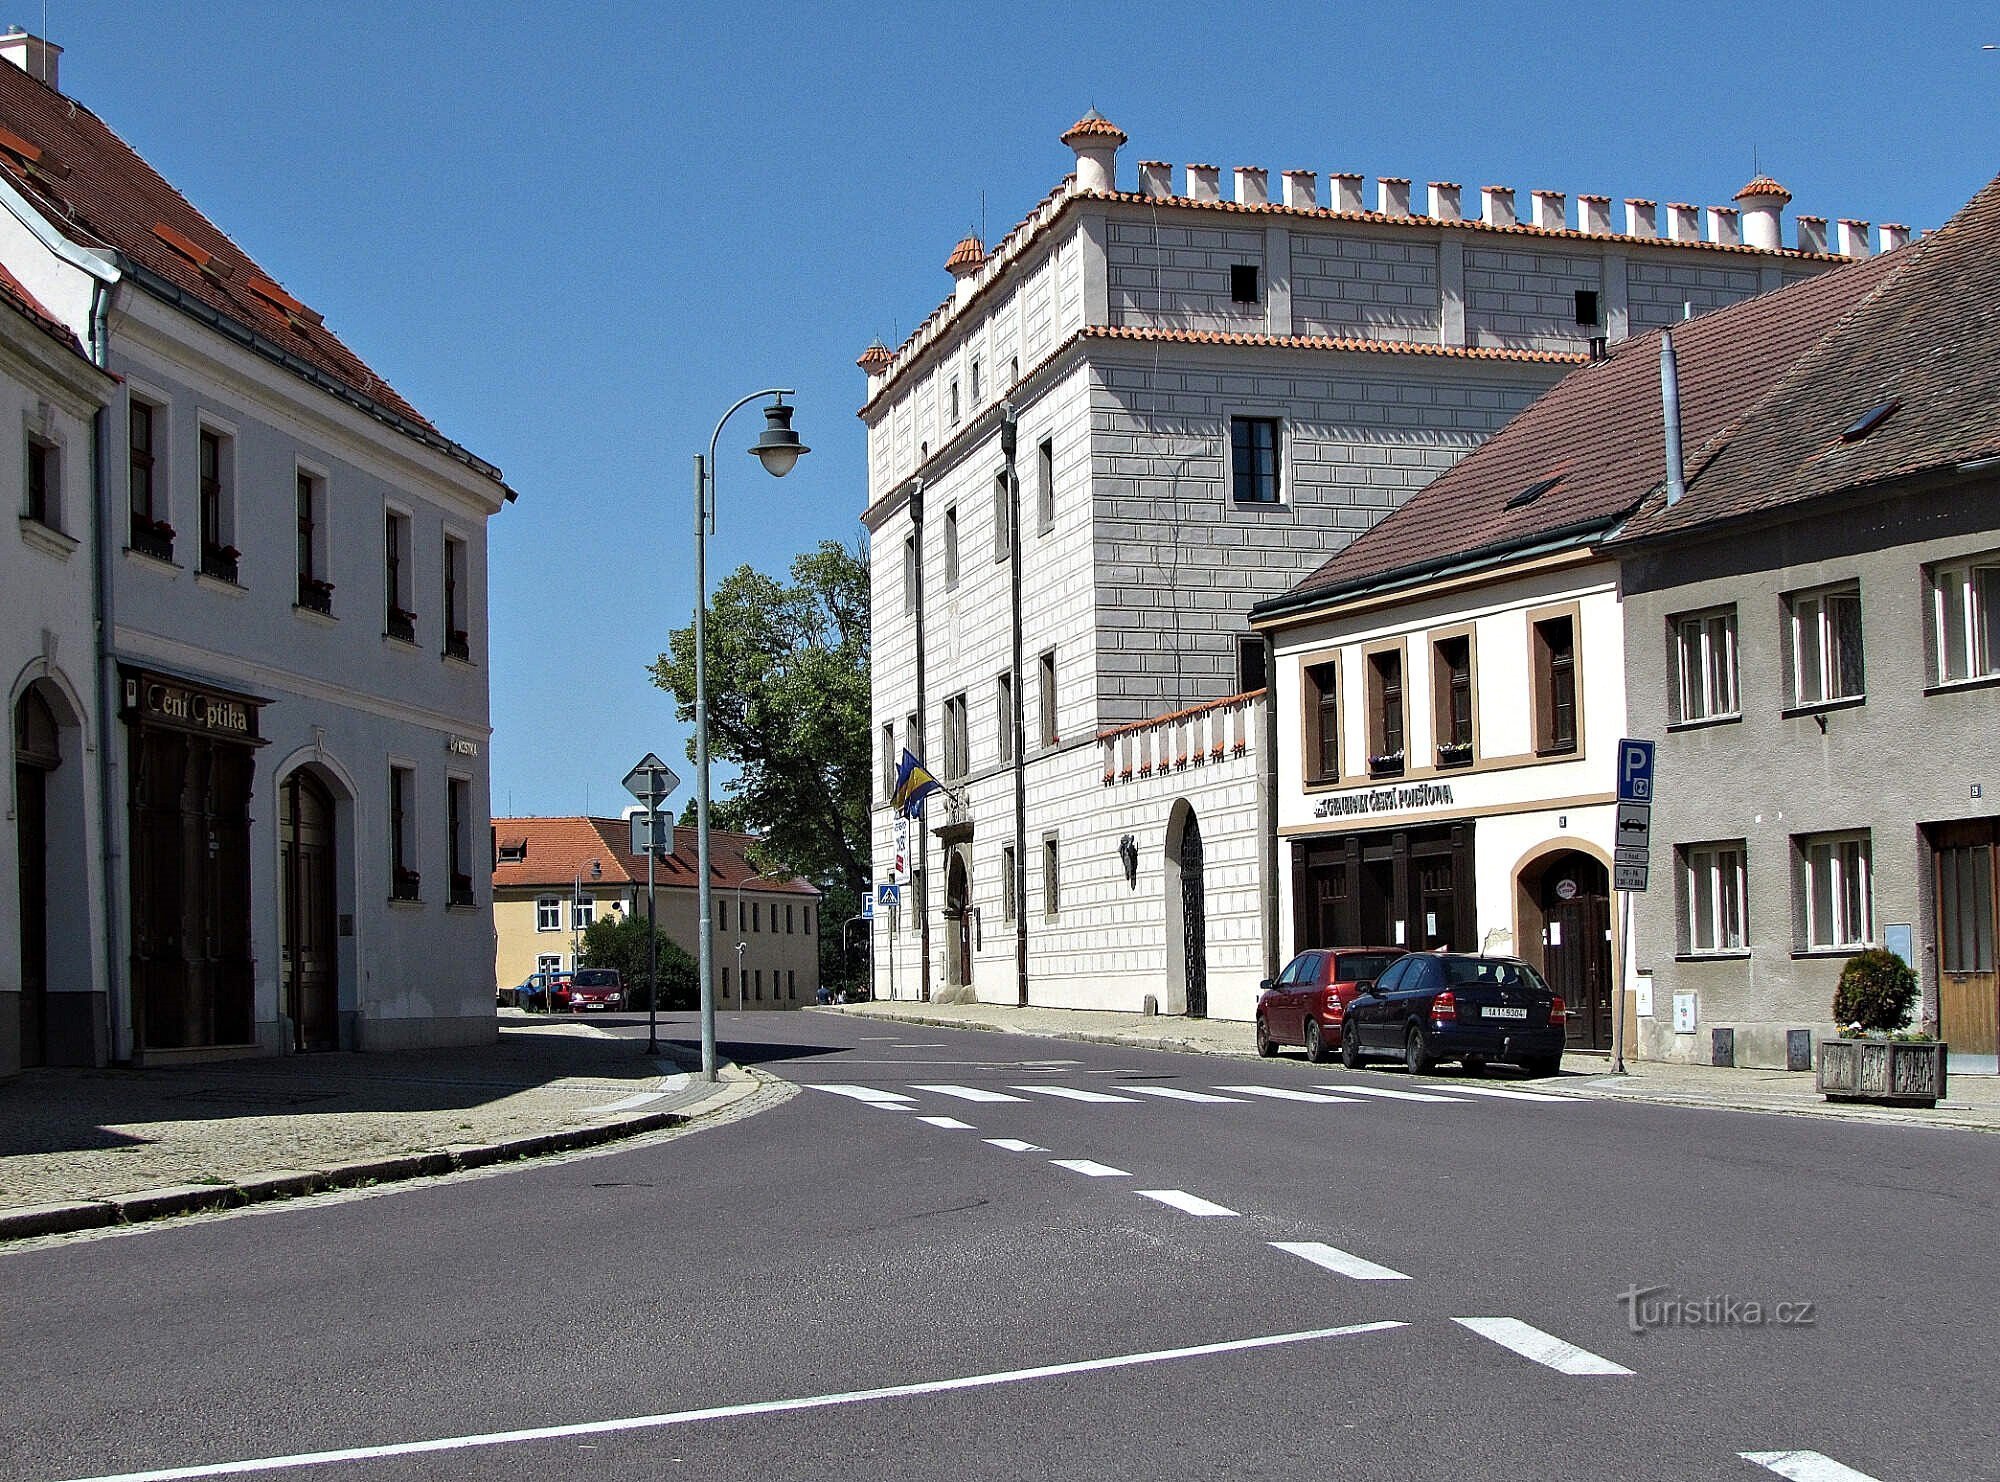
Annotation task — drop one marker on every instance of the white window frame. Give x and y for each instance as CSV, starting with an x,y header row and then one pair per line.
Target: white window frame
x,y
1969,637
1847,922
583,911
950,547
548,913
1817,673
1705,666
1716,882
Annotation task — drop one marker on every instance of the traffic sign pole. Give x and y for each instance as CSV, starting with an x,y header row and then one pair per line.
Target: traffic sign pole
x,y
1631,862
650,782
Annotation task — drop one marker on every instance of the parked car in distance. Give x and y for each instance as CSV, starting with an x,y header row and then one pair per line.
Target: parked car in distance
x,y
533,991
1305,1004
595,988
1434,1006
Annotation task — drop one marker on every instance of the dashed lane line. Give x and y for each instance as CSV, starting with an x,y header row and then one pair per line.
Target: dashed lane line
x,y
1089,1169
1506,1095
1543,1348
1071,1093
1014,1145
1347,1089
1284,1093
1804,1466
970,1093
731,1412
1340,1262
1175,1093
949,1123
1187,1203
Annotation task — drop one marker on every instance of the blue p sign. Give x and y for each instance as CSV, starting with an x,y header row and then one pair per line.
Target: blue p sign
x,y
1635,771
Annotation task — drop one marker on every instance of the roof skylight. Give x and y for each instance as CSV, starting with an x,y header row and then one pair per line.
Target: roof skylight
x,y
1869,420
1533,492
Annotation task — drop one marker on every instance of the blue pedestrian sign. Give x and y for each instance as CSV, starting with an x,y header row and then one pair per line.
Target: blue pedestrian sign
x,y
1635,771
888,896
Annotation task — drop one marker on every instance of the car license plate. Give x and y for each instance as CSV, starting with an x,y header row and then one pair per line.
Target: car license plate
x,y
1493,1013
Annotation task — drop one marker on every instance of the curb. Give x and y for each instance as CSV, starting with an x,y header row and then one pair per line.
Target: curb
x,y
261,1188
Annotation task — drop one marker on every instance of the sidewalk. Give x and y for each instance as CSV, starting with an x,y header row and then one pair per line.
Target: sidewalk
x,y
1973,1103
81,1149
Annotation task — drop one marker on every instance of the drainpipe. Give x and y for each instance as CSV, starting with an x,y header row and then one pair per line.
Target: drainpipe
x,y
1670,405
1009,438
1267,808
110,818
923,900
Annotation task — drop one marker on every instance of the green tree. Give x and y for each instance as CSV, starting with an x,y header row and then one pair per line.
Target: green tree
x,y
617,940
788,708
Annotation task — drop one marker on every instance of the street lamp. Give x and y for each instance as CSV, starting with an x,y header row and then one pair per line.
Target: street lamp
x,y
742,946
575,934
778,448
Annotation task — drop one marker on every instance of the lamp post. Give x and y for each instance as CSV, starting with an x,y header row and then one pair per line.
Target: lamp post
x,y
743,946
575,933
778,448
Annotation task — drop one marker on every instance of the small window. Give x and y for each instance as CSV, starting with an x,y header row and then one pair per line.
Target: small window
x,y
1555,685
151,534
956,762
1713,880
1965,620
399,618
1451,699
1586,306
1251,673
315,591
1385,713
1013,370
910,572
1825,634
1009,883
954,401
1003,517
1003,717
889,760
1045,483
548,913
1322,698
1836,891
973,374
1705,665
218,515
1051,877
1253,443
403,878
458,839
1046,668
1243,282
583,912
951,548
44,483
913,738
457,640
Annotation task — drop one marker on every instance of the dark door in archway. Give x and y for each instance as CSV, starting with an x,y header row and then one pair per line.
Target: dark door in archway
x,y
1194,922
307,947
36,753
1576,950
958,920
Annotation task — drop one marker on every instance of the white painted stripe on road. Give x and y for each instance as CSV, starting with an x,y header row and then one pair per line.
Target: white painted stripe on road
x,y
1070,1093
1338,1261
1182,1200
1175,1093
865,1093
730,1412
1014,1145
970,1093
1089,1169
1507,1095
1543,1348
951,1122
1804,1466
1389,1095
1282,1093
891,1106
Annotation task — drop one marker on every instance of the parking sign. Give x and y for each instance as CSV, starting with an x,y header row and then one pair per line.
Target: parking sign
x,y
1635,771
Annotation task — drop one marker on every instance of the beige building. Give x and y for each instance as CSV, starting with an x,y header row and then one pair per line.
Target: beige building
x,y
553,877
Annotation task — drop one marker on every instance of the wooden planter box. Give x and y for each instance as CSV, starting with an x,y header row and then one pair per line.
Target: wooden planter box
x,y
1884,1071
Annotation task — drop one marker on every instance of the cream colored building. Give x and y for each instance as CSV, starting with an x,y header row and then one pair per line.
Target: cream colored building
x,y
553,877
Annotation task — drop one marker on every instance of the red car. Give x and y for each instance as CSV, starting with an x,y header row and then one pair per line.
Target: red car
x,y
593,988
1306,1002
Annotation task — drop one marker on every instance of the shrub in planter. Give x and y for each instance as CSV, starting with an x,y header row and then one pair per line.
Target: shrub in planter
x,y
1877,990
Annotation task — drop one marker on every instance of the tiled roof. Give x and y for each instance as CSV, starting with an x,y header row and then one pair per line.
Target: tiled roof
x,y
1093,125
875,358
96,190
559,849
969,253
1927,338
1763,185
1598,434
1355,343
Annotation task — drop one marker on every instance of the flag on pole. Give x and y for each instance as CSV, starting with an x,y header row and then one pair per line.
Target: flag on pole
x,y
913,784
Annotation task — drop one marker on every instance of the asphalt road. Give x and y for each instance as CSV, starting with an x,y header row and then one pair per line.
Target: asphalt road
x,y
931,1262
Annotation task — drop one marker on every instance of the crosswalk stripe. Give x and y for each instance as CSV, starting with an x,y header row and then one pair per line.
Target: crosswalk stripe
x,y
1175,1093
1089,1169
1507,1095
1283,1093
1543,1348
970,1093
865,1093
1014,1145
1804,1466
1388,1095
1340,1262
1070,1093
952,1123
1182,1200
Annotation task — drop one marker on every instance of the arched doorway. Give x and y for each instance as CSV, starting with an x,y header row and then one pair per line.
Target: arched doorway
x,y
1187,914
1566,920
958,920
37,754
308,948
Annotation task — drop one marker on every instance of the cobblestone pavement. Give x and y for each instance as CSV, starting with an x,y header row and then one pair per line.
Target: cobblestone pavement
x,y
1973,1102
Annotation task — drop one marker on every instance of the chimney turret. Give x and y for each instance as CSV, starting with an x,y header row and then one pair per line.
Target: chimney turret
x,y
1762,200
1095,139
1496,205
1253,186
1851,237
1392,195
1593,215
966,259
1301,189
31,54
1156,178
1204,183
1550,209
1346,192
1812,233
1642,217
1447,201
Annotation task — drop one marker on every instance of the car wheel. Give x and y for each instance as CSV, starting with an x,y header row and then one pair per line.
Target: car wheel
x,y
1266,1046
1350,1049
1315,1043
1543,1065
1417,1057
1475,1065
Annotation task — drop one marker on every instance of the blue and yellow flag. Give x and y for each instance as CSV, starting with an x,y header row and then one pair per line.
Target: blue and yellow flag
x,y
913,784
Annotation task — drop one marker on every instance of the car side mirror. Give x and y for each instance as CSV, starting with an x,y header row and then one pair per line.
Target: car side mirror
x,y
1265,986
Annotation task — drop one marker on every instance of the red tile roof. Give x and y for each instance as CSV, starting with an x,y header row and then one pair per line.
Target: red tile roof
x,y
1093,125
876,358
969,253
559,849
1764,185
1598,434
1354,343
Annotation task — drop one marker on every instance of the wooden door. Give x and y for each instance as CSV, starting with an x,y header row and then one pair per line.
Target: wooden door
x,y
1576,947
1194,920
1968,1004
307,948
31,835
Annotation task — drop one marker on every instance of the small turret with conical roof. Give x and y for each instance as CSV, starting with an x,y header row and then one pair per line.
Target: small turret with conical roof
x,y
1762,200
1095,139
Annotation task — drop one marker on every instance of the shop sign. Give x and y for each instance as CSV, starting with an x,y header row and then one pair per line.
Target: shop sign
x,y
461,746
189,708
1385,800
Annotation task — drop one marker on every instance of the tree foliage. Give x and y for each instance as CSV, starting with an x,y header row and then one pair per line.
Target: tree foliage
x,y
1876,991
617,940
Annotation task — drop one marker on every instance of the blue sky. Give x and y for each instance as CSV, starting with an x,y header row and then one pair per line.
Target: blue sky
x,y
573,234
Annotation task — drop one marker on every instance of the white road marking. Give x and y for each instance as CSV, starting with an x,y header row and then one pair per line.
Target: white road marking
x,y
1182,1200
1508,1095
1175,1093
1089,1169
1339,1261
952,1122
1070,1093
891,1106
1014,1145
900,1046
1282,1093
1543,1348
970,1093
865,1093
729,1412
1804,1466
1387,1094
642,1098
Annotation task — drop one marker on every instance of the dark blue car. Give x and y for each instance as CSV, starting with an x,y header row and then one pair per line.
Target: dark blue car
x,y
1435,1006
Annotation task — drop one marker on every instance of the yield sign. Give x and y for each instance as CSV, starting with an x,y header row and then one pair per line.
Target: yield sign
x,y
651,780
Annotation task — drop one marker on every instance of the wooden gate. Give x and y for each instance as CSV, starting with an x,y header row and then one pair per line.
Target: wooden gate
x,y
307,946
